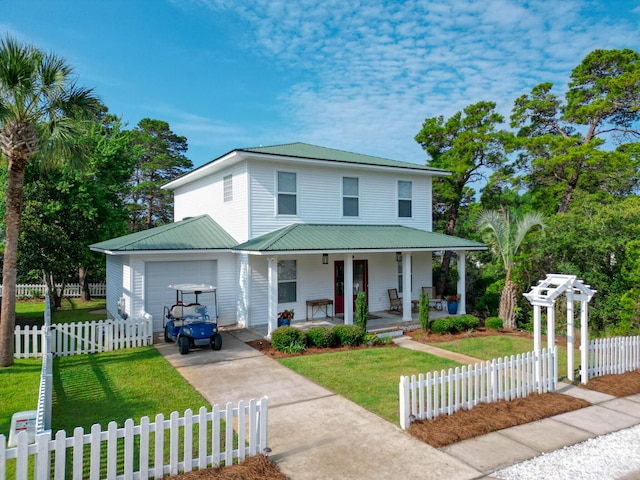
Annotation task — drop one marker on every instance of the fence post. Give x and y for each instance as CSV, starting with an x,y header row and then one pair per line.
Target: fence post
x,y
404,402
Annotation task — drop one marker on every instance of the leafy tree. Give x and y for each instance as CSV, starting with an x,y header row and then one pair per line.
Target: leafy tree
x,y
469,145
159,158
40,109
67,209
506,238
561,144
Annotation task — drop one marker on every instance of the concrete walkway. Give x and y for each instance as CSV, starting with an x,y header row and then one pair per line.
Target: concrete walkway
x,y
314,433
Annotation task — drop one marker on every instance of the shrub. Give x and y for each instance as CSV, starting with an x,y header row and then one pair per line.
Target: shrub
x,y
349,335
494,323
442,325
295,347
467,322
284,338
424,311
321,337
362,310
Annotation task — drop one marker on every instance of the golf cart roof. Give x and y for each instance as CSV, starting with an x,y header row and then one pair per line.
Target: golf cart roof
x,y
192,288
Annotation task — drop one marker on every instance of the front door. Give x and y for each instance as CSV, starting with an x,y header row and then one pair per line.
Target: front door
x,y
360,282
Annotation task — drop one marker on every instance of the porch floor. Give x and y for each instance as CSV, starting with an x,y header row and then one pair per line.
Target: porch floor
x,y
381,321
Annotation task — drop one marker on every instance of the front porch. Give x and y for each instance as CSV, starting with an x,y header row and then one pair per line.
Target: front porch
x,y
379,322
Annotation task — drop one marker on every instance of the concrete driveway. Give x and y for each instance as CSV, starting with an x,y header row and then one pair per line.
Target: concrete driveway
x,y
313,433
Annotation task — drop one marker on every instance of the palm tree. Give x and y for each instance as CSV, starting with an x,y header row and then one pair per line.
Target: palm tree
x,y
41,109
506,237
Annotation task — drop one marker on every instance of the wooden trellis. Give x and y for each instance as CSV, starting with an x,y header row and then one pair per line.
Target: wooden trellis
x,y
545,294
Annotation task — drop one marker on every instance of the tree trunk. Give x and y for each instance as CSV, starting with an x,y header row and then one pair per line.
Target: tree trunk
x,y
83,277
508,303
568,192
13,216
55,297
446,258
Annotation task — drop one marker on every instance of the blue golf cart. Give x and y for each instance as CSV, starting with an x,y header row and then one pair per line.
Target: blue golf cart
x,y
191,323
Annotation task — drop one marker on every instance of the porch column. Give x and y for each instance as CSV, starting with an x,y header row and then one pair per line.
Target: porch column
x,y
272,297
462,282
406,286
348,289
570,335
242,302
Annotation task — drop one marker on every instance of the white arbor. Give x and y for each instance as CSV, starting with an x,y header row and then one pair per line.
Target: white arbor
x,y
544,295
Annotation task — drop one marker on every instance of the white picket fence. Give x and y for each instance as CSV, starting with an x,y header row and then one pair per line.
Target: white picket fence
x,y
446,392
613,356
83,337
27,290
147,450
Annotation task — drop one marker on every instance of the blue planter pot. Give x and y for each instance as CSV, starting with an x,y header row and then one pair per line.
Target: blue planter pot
x,y
452,307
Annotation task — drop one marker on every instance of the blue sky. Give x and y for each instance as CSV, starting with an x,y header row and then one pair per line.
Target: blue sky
x,y
355,75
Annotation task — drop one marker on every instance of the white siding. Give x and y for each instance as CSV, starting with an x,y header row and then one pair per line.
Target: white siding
x,y
258,288
116,281
319,197
206,196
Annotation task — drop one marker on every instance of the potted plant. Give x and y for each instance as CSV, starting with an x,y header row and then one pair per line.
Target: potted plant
x,y
285,317
452,303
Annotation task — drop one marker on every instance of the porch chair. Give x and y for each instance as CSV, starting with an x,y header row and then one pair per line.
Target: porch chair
x,y
395,301
435,301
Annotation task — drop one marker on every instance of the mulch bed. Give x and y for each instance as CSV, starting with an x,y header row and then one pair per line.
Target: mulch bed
x,y
420,335
265,347
490,417
253,468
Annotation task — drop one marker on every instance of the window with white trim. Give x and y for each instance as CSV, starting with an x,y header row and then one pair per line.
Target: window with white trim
x,y
350,194
287,193
404,199
400,275
228,188
287,281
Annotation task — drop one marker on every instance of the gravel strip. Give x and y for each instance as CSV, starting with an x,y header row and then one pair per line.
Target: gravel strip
x,y
609,456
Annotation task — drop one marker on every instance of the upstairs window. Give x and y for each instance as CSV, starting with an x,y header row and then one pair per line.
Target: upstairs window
x,y
287,281
287,193
404,199
228,188
350,197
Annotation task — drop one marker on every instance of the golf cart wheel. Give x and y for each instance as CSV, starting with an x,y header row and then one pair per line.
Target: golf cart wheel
x,y
216,342
183,345
166,335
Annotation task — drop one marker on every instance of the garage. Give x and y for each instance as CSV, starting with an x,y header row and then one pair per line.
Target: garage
x,y
159,275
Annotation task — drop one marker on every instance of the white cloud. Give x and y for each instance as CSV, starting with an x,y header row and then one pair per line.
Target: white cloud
x,y
377,70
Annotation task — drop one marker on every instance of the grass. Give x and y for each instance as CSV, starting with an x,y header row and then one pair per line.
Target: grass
x,y
19,386
488,348
72,310
115,386
367,377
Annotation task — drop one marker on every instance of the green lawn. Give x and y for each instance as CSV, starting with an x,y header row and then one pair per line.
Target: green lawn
x,y
72,310
488,348
115,386
19,386
367,377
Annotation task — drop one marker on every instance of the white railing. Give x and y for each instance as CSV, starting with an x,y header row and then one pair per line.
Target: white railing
x,y
35,290
165,447
84,337
612,356
433,394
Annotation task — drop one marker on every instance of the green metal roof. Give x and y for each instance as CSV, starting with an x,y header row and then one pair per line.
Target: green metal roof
x,y
196,233
306,237
314,152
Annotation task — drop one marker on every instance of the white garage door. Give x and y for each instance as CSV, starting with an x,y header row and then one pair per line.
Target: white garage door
x,y
158,275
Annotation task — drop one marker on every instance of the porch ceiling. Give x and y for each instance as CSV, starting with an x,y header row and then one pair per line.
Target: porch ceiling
x,y
311,237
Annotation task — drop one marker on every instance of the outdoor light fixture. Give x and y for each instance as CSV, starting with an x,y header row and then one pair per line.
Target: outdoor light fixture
x,y
325,259
398,257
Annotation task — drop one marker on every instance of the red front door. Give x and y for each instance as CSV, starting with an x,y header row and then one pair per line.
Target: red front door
x,y
360,282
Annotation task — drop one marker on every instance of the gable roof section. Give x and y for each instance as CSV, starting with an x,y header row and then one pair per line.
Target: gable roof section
x,y
314,152
196,233
304,152
307,237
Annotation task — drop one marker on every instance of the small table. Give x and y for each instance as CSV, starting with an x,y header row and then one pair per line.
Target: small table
x,y
415,306
318,305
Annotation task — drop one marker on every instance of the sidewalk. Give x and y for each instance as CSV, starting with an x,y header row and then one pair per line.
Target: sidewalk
x,y
314,433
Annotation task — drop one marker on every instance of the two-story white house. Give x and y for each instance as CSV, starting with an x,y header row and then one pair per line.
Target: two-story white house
x,y
274,227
